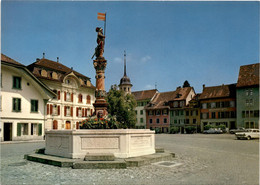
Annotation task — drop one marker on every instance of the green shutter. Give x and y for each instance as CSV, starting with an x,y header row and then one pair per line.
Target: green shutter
x,y
19,129
39,129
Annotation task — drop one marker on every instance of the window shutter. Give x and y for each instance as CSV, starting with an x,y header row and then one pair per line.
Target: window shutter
x,y
71,111
71,97
48,109
83,115
86,112
65,110
58,95
65,96
40,129
77,125
77,111
58,110
51,109
19,129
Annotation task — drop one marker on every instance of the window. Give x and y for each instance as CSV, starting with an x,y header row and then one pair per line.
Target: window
x,y
204,115
251,92
80,98
165,112
256,113
68,96
232,103
88,99
141,113
34,105
247,92
213,115
165,120
187,121
141,120
136,112
17,104
151,121
187,113
150,112
16,82
194,121
213,105
22,129
158,112
181,104
204,105
157,120
243,114
34,129
175,104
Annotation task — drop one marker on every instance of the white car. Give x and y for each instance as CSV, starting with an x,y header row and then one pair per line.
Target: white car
x,y
248,134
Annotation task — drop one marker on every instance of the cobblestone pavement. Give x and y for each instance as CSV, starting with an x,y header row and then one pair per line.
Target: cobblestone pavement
x,y
201,159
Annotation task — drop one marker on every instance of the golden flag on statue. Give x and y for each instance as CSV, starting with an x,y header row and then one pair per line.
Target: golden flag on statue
x,y
101,16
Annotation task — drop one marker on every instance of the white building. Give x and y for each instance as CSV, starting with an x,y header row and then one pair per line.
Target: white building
x,y
75,94
23,100
142,98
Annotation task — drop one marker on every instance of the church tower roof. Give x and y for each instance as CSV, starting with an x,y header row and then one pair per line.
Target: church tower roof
x,y
125,80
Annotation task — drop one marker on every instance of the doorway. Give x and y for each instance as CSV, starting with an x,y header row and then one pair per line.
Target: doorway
x,y
7,131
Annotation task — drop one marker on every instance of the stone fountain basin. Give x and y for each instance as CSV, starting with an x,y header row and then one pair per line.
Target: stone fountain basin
x,y
122,143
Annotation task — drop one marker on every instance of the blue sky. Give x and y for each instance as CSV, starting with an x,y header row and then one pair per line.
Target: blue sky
x,y
165,42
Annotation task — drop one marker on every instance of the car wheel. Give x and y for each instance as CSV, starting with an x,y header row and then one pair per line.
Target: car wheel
x,y
248,137
238,138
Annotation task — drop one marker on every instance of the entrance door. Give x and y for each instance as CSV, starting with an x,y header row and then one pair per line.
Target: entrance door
x,y
55,124
68,125
7,131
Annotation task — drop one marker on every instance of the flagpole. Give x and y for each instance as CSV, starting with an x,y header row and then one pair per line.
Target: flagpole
x,y
105,27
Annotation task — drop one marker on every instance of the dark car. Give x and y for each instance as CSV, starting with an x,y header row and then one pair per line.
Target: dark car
x,y
240,129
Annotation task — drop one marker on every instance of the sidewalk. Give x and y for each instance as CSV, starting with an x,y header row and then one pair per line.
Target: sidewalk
x,y
16,142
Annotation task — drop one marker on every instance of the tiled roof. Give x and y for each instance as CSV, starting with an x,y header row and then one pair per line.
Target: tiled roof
x,y
144,95
248,75
49,64
161,99
221,91
5,58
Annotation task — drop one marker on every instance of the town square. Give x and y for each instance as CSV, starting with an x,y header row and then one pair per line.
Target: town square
x,y
138,92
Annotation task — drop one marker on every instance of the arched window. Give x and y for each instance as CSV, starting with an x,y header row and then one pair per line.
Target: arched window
x,y
88,99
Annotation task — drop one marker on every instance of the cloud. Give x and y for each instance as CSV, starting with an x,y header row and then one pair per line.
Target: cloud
x,y
148,86
145,59
118,60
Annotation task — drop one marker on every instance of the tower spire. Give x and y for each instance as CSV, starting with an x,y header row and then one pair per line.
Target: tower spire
x,y
124,64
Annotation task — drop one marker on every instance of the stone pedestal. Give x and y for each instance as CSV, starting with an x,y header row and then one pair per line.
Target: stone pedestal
x,y
122,143
100,103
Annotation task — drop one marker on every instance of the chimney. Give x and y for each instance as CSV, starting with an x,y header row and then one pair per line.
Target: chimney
x,y
37,59
43,55
58,59
203,86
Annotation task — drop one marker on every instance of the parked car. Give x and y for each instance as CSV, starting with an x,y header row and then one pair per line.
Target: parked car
x,y
248,134
213,131
240,129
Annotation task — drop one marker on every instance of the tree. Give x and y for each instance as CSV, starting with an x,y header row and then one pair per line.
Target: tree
x,y
122,106
186,84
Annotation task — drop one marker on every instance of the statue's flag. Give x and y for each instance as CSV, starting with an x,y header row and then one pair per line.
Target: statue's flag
x,y
101,16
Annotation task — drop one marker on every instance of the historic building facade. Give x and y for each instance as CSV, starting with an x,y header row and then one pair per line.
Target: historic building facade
x,y
218,106
248,96
157,112
23,102
75,94
142,98
192,113
178,104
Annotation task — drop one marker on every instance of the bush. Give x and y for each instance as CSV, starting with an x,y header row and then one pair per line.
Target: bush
x,y
102,123
174,130
157,130
222,127
190,129
207,127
